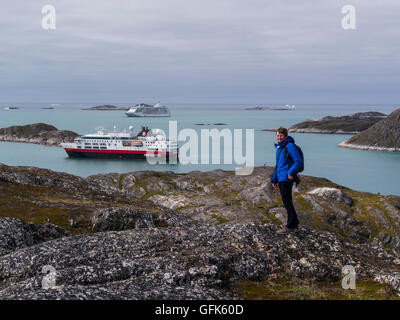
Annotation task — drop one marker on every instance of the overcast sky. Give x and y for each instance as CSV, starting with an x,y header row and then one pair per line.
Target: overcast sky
x,y
244,51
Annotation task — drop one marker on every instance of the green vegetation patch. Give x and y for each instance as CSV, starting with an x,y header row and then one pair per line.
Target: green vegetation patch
x,y
296,289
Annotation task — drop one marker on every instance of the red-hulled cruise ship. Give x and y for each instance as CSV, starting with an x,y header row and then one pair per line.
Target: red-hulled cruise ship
x,y
123,145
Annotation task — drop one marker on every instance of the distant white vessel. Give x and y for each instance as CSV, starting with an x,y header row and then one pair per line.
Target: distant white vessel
x,y
148,110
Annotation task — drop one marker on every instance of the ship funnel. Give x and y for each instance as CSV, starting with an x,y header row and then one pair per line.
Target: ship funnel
x,y
157,105
101,130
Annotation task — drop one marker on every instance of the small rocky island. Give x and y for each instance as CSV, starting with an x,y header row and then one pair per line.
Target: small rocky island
x,y
215,124
270,108
382,136
38,133
107,107
349,124
200,235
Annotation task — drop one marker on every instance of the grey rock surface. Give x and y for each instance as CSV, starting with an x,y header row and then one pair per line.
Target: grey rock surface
x,y
162,235
199,262
333,194
16,234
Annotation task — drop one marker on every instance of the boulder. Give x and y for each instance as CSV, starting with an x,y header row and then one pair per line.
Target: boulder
x,y
332,194
16,234
111,219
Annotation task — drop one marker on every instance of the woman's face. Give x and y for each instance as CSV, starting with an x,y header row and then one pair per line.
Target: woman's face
x,y
280,137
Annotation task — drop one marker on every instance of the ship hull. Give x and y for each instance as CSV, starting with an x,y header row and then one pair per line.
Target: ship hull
x,y
141,115
102,155
117,154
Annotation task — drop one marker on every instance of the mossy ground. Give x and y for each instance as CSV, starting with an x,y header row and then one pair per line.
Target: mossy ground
x,y
42,204
286,289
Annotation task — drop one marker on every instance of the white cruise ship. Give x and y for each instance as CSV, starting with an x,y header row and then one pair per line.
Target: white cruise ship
x,y
123,145
147,110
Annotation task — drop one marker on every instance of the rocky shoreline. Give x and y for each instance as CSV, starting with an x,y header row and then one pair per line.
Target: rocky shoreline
x,y
366,147
199,235
314,130
349,124
382,136
37,133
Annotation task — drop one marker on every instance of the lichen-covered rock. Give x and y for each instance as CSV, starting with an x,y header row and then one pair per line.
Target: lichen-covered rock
x,y
332,194
16,234
219,228
111,219
193,262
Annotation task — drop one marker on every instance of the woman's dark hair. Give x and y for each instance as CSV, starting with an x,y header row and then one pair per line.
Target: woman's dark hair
x,y
282,130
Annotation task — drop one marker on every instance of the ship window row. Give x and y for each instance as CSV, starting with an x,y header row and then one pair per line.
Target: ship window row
x,y
96,144
107,138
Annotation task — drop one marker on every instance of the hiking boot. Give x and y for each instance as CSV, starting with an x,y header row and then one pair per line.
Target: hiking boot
x,y
286,230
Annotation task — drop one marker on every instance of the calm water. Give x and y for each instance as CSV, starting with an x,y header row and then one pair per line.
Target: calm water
x,y
361,170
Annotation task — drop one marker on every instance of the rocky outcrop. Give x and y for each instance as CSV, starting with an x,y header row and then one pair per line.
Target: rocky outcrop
x,y
214,197
118,219
383,136
163,235
106,107
198,262
16,234
270,108
343,124
111,219
332,194
349,124
38,133
218,197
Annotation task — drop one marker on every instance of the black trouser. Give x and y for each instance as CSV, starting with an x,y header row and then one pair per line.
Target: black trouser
x,y
286,192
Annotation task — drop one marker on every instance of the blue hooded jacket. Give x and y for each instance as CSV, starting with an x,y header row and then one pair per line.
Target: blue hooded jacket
x,y
285,166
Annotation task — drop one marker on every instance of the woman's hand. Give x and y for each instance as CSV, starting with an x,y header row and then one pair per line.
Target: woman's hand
x,y
290,177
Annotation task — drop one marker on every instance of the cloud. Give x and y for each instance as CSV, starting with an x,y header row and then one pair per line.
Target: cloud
x,y
186,49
